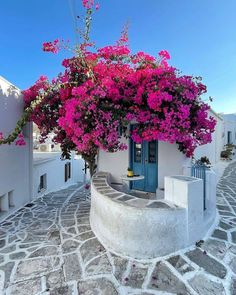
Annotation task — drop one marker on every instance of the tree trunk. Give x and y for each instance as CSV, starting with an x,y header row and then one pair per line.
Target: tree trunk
x,y
91,161
92,167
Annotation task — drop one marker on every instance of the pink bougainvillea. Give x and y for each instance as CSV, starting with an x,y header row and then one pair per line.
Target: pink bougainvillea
x,y
103,91
51,46
20,140
87,107
88,3
164,54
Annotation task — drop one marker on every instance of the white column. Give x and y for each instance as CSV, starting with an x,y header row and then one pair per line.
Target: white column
x,y
187,192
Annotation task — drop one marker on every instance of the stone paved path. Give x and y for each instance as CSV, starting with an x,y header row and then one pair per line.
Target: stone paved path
x,y
48,247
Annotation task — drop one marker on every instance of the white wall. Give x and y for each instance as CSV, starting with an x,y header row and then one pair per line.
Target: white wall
x,y
161,231
15,161
115,163
212,150
170,161
115,223
187,192
51,165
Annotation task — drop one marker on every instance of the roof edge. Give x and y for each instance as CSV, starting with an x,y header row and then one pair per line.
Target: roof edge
x,y
9,83
216,114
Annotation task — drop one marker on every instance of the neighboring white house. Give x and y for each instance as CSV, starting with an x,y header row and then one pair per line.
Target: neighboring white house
x,y
212,150
154,160
25,175
15,162
225,133
229,128
50,173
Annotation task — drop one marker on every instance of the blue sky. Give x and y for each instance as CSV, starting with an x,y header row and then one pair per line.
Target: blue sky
x,y
199,34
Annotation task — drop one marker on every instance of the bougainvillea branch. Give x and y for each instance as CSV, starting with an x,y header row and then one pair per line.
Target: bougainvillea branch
x,y
102,92
16,135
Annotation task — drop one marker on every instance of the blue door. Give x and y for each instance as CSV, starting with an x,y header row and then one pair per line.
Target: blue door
x,y
144,162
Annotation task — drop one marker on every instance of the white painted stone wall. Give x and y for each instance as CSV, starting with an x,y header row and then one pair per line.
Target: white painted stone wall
x,y
51,165
136,231
115,163
187,192
170,161
15,162
142,231
212,150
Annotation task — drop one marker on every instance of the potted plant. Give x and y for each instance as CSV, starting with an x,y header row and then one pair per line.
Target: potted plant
x,y
130,172
228,152
203,161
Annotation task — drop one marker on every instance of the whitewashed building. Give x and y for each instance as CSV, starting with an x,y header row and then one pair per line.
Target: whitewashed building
x,y
50,173
170,209
25,175
154,160
229,128
212,150
165,211
16,163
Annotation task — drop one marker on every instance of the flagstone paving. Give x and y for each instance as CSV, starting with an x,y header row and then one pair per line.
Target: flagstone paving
x,y
48,248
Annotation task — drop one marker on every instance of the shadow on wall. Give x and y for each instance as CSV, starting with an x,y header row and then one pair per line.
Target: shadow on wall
x,y
11,106
11,90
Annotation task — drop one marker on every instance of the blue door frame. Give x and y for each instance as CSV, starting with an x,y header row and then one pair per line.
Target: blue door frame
x,y
144,161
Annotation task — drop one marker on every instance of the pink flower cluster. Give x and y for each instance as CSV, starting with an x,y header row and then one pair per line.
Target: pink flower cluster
x,y
51,46
20,140
155,99
164,54
88,111
88,4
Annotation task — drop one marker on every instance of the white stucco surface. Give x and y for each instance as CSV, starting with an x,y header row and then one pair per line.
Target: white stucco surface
x,y
116,163
189,195
15,161
170,161
135,230
51,165
145,228
212,150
